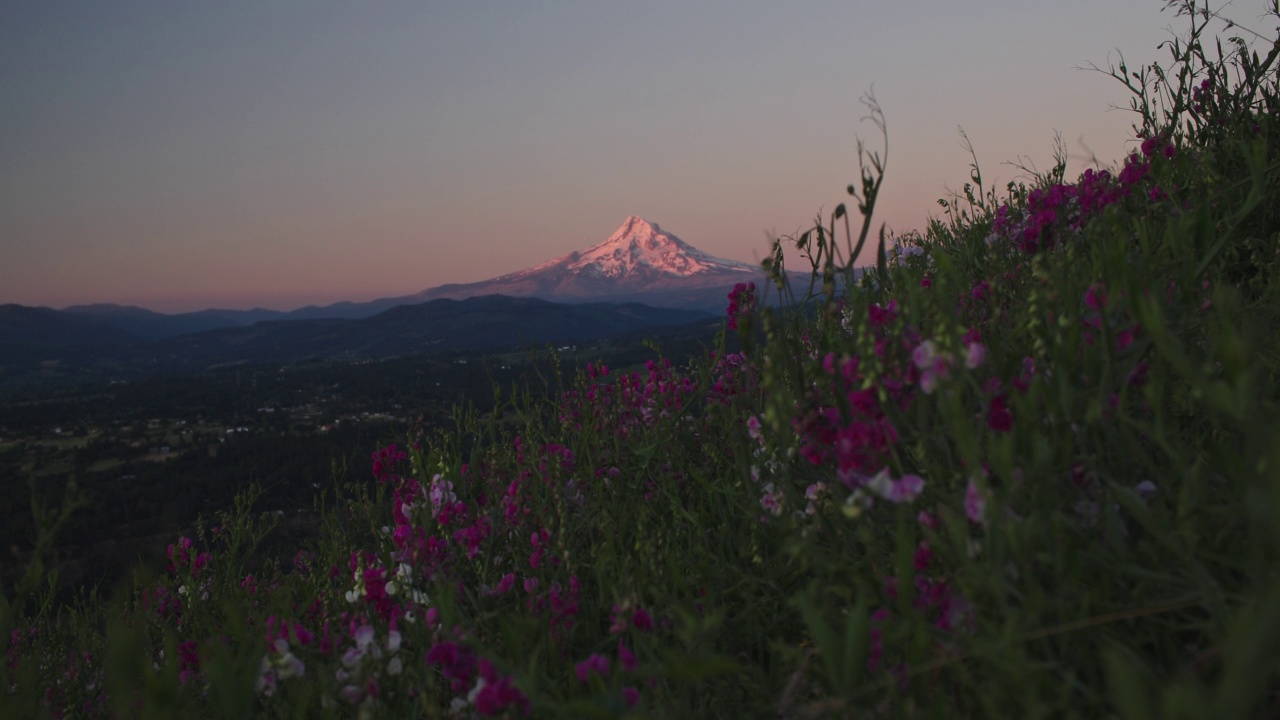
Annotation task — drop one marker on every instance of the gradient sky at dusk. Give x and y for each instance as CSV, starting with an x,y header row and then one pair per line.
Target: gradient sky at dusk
x,y
245,153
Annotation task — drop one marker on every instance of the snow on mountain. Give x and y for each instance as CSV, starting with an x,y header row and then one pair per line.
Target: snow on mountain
x,y
640,247
639,262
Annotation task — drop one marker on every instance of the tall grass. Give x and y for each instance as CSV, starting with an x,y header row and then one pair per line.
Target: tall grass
x,y
1027,464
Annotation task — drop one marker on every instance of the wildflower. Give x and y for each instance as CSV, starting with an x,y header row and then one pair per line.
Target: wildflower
x,y
904,489
933,365
278,664
741,302
641,620
597,664
813,494
771,500
924,354
975,355
630,695
441,494
1096,297
626,658
920,560
975,506
1145,489
505,585
493,694
879,316
999,418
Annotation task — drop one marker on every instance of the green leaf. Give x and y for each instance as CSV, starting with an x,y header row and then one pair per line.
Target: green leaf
x,y
1125,681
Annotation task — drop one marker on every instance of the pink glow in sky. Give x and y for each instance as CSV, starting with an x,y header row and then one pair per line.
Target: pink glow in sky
x,y
245,154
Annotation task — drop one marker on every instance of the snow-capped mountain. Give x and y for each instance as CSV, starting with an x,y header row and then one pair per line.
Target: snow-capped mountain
x,y
640,250
638,263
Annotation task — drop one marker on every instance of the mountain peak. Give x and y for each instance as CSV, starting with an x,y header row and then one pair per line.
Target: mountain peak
x,y
639,247
635,223
639,262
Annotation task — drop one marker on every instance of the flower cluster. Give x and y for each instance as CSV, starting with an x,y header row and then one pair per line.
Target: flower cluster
x,y
742,302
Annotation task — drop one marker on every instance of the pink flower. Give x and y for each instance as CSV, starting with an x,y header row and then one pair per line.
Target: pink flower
x,y
1124,338
1096,297
923,355
879,316
626,658
505,585
904,489
741,302
975,506
641,620
597,664
494,694
630,695
975,355
922,556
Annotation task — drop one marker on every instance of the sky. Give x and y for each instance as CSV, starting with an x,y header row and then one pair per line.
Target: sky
x,y
179,156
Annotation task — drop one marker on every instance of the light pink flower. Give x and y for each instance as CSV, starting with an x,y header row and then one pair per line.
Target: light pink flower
x,y
975,355
975,506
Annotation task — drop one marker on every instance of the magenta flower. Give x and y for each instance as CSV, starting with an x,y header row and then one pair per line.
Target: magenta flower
x,y
506,584
999,418
597,664
920,560
626,658
741,302
630,695
927,520
641,620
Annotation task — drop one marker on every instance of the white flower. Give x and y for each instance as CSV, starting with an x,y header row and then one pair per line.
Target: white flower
x,y
363,636
291,666
266,683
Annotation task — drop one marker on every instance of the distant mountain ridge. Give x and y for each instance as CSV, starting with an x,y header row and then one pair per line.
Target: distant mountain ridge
x,y
639,262
479,323
639,276
31,337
